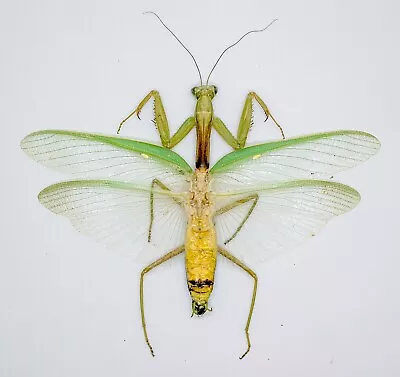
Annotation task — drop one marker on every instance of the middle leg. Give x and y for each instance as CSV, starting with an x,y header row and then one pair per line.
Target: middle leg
x,y
254,198
154,183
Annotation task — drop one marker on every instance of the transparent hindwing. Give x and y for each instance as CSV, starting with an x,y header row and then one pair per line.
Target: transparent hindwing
x,y
117,214
284,215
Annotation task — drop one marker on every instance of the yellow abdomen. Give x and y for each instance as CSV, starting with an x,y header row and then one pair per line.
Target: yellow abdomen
x,y
201,259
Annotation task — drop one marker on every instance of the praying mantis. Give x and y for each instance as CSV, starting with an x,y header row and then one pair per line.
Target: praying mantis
x,y
130,192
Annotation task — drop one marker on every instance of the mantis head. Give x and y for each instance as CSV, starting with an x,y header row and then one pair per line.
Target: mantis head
x,y
205,90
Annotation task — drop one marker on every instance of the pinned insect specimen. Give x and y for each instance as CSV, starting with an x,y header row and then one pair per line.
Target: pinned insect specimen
x,y
251,204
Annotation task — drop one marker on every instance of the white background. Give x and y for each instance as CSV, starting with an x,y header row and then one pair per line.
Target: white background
x,y
69,307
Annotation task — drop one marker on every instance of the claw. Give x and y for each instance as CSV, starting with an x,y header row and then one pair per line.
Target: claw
x,y
247,351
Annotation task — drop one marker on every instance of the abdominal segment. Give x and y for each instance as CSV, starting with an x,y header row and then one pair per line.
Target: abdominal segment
x,y
201,258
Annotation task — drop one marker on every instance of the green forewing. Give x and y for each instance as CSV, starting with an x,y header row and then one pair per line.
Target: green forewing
x,y
98,156
313,156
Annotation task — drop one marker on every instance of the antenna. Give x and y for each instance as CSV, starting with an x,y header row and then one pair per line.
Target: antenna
x,y
234,44
198,69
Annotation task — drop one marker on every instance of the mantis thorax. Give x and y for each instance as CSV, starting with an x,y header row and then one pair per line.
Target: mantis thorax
x,y
200,201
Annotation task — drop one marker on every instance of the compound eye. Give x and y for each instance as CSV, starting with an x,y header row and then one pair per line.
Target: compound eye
x,y
215,89
194,91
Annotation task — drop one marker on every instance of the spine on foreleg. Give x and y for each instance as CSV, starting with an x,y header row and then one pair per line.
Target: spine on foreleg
x,y
201,254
